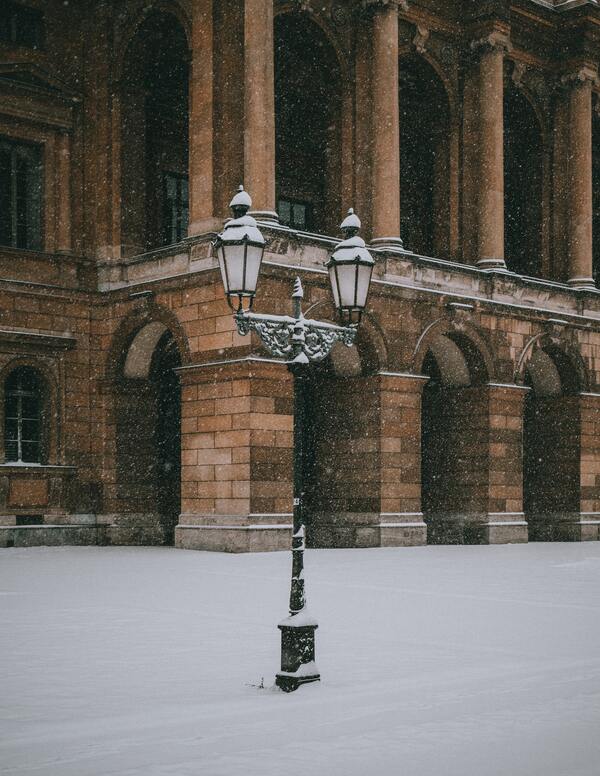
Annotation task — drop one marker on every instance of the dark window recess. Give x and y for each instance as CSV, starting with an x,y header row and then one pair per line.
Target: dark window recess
x,y
175,207
21,25
294,214
30,520
20,195
23,417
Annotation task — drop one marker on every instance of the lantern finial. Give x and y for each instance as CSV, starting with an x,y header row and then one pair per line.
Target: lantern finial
x,y
350,226
241,203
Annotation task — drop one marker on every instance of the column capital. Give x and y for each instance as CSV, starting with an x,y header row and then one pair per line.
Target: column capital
x,y
496,40
585,75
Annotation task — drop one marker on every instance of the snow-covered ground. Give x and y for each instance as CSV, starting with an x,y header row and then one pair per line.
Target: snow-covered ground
x,y
436,661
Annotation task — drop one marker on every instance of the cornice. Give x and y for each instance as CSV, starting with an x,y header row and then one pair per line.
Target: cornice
x,y
39,339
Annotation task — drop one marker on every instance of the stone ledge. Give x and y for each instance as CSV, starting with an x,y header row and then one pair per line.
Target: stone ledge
x,y
51,535
234,538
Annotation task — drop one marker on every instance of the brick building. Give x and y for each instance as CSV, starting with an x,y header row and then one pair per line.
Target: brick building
x,y
467,137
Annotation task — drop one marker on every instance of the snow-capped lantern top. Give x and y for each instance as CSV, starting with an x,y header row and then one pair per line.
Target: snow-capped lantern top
x,y
351,222
350,269
242,201
240,247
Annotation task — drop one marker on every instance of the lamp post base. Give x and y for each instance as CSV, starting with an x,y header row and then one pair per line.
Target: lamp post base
x,y
297,655
289,682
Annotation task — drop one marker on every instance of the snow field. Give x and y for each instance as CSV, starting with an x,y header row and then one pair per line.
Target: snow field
x,y
436,661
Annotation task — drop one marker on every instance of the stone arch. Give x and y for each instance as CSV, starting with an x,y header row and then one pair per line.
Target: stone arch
x,y
51,405
341,437
144,440
131,327
455,331
428,131
318,18
454,430
371,342
133,21
554,342
310,90
554,372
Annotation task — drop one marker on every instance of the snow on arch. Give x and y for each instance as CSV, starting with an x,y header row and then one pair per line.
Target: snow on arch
x,y
451,361
141,350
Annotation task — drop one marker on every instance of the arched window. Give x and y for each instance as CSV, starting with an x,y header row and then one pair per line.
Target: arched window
x,y
308,143
23,416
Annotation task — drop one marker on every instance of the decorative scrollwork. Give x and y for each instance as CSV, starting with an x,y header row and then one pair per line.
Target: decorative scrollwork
x,y
276,336
318,340
284,336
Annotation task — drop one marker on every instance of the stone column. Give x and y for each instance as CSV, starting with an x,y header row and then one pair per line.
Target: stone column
x,y
201,120
259,108
63,177
489,137
580,273
386,126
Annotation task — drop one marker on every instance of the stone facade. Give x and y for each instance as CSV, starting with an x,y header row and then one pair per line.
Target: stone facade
x,y
469,143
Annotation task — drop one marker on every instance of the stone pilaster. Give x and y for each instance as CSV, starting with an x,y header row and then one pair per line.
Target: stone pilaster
x,y
488,171
63,180
259,108
201,120
580,273
586,525
386,125
236,482
401,519
504,520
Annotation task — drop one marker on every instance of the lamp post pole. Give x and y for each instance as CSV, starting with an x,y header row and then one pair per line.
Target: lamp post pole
x,y
299,342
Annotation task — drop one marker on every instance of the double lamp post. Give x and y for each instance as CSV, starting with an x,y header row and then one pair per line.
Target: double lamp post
x,y
299,342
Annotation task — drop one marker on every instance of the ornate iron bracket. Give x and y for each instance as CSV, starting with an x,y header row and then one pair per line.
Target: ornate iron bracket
x,y
295,338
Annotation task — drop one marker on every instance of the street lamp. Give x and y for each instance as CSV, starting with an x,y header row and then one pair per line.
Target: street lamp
x,y
350,269
300,341
240,248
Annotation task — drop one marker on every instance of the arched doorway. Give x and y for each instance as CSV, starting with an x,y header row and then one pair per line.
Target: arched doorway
x,y
454,447
154,136
148,437
523,180
551,444
424,158
308,96
342,449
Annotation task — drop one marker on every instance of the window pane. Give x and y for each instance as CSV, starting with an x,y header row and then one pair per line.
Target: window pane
x,y
11,406
285,211
31,430
299,216
31,407
28,380
20,195
22,416
175,207
11,452
31,452
11,428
